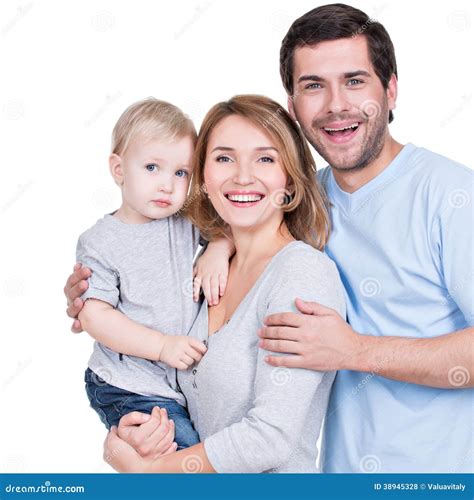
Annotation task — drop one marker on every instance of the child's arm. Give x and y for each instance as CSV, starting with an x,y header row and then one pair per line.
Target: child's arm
x,y
119,333
212,268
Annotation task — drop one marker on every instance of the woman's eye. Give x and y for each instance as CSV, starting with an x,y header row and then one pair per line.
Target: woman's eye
x,y
266,159
181,173
223,159
151,167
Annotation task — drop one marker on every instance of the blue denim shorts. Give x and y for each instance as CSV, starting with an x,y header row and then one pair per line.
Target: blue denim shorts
x,y
112,403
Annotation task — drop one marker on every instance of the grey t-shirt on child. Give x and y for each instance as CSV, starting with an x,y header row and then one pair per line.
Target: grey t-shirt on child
x,y
253,417
145,272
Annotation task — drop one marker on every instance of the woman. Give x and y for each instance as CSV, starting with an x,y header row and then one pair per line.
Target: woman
x,y
253,181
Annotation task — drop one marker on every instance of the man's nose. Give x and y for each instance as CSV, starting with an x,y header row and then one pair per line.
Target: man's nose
x,y
337,101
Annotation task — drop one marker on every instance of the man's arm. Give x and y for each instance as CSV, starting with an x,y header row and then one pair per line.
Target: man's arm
x,y
320,339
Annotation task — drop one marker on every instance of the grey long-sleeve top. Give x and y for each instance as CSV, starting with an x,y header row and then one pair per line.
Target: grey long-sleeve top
x,y
253,417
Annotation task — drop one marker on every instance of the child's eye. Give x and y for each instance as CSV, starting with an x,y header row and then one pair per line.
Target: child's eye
x,y
181,173
224,159
266,159
151,167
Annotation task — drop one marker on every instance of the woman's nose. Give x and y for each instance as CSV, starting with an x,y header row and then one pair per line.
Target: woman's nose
x,y
244,174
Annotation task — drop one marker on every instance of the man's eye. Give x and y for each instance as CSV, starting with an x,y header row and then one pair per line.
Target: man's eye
x,y
354,81
312,86
223,159
266,159
151,167
181,173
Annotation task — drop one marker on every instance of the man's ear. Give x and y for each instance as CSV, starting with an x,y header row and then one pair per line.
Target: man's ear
x,y
392,92
116,168
291,107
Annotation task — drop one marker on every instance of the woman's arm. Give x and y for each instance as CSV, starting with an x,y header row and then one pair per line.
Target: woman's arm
x,y
116,331
271,431
123,458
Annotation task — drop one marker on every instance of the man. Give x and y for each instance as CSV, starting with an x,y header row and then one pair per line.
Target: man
x,y
403,241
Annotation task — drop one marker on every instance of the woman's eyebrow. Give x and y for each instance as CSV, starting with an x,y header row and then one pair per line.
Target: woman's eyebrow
x,y
261,148
222,148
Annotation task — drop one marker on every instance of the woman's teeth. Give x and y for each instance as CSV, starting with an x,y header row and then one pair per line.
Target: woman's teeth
x,y
244,198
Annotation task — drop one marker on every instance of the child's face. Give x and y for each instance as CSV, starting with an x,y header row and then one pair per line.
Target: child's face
x,y
154,176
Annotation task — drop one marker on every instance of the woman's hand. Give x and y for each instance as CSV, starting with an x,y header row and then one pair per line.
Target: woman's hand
x,y
151,436
76,285
121,456
212,269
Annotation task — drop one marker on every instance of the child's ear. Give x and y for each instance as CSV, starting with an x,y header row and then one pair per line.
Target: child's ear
x,y
116,169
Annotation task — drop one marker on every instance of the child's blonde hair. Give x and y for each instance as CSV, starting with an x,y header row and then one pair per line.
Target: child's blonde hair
x,y
153,119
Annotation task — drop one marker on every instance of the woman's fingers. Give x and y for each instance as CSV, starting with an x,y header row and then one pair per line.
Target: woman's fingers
x,y
130,423
171,449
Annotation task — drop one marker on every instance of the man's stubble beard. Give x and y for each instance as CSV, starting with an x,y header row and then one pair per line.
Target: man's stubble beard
x,y
370,151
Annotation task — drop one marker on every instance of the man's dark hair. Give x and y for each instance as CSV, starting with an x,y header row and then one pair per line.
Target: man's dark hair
x,y
332,22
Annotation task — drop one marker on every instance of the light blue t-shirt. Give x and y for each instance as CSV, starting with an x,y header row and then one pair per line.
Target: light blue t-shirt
x,y
403,244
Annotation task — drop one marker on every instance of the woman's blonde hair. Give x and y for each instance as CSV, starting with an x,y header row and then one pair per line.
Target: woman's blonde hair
x,y
305,208
153,119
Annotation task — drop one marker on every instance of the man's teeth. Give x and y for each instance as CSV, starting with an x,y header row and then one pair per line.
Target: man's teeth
x,y
244,197
328,129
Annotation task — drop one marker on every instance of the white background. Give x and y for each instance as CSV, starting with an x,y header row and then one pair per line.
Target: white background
x,y
68,69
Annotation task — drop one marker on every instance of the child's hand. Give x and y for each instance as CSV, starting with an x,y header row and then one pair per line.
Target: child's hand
x,y
212,269
181,352
150,435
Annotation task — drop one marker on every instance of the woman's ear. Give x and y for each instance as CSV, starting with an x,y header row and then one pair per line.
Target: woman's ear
x,y
116,168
